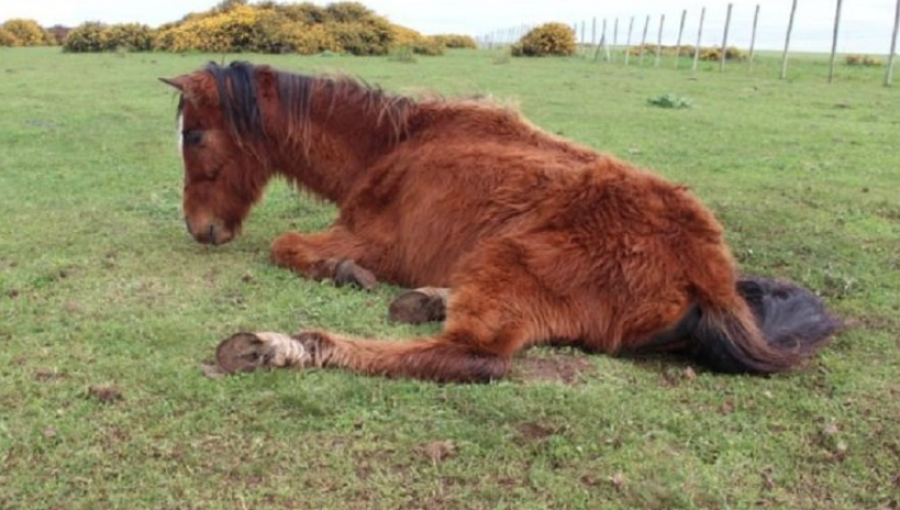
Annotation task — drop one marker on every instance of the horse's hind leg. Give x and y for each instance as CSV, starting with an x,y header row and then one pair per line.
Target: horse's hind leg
x,y
328,255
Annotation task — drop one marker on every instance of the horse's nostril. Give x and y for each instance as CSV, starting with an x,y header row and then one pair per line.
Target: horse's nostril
x,y
212,233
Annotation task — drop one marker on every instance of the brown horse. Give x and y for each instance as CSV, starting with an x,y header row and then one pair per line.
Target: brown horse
x,y
519,238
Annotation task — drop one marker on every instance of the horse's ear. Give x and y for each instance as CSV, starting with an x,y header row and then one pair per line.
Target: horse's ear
x,y
178,83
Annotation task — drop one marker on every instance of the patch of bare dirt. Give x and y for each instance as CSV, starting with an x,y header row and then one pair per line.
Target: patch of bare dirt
x,y
106,394
48,375
535,431
439,451
564,368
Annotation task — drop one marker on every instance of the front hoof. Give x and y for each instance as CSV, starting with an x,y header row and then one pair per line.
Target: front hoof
x,y
348,272
246,352
419,306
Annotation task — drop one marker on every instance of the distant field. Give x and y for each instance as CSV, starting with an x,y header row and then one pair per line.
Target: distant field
x,y
108,308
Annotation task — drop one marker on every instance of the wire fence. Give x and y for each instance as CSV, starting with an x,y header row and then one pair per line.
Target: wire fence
x,y
612,39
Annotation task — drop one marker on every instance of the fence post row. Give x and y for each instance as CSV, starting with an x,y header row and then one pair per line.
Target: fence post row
x,y
502,37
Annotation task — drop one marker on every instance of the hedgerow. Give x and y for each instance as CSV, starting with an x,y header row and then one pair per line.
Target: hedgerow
x,y
268,27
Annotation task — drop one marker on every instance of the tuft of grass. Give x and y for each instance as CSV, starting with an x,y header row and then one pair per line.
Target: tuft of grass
x,y
402,54
108,309
669,101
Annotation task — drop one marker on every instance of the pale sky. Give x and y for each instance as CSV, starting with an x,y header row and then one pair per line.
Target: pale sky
x,y
865,24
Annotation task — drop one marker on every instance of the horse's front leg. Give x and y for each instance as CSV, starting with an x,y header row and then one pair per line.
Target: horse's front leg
x,y
331,255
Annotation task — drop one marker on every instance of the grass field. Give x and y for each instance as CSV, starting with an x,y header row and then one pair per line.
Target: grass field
x,y
108,309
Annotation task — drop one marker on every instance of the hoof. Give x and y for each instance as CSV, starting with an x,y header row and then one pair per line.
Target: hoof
x,y
348,273
419,306
246,352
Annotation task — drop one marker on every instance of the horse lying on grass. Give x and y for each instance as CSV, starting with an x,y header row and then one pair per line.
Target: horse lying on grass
x,y
513,236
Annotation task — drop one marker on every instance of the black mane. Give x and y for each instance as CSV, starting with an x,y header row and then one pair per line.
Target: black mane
x,y
236,85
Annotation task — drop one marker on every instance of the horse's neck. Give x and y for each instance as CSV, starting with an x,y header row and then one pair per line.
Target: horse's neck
x,y
332,151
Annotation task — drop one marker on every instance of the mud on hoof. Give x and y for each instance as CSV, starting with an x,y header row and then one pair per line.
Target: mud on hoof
x,y
417,306
246,352
348,272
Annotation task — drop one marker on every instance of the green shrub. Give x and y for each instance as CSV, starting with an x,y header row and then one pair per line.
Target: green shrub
x,y
348,12
546,40
455,41
666,51
130,37
715,54
304,39
7,38
360,38
58,33
87,37
24,32
407,38
862,60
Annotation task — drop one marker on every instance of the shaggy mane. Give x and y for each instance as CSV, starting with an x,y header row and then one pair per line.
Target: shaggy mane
x,y
237,88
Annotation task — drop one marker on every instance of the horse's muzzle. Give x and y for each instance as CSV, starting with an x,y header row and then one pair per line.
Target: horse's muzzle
x,y
210,232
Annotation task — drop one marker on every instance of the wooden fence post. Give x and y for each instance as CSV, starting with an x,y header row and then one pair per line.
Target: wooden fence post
x,y
787,41
889,75
606,42
680,33
753,36
583,39
725,39
628,42
834,41
615,43
699,39
662,21
594,31
644,39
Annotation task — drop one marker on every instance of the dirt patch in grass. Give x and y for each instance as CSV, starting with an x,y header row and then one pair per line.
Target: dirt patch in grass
x,y
105,394
564,368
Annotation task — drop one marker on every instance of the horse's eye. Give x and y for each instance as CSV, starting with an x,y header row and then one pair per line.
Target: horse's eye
x,y
192,136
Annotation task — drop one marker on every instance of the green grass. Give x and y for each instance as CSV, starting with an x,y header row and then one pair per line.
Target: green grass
x,y
100,287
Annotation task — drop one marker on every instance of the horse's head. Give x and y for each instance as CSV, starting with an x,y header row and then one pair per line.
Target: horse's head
x,y
224,173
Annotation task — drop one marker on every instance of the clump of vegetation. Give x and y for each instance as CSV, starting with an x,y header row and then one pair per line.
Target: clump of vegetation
x,y
862,60
549,39
670,101
686,50
665,51
411,40
402,54
715,54
87,37
24,32
235,26
455,41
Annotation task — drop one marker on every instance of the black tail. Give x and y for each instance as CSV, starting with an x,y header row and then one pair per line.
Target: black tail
x,y
786,324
